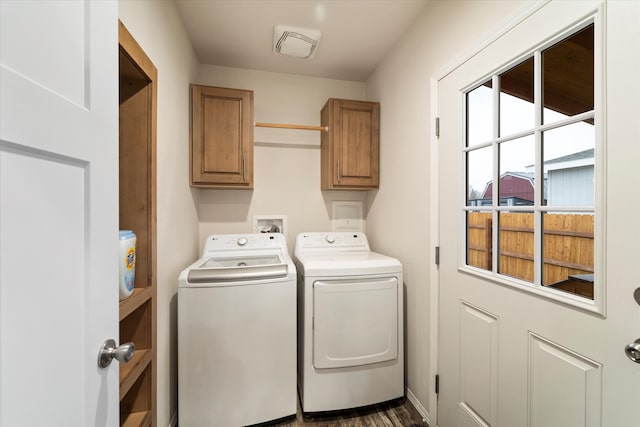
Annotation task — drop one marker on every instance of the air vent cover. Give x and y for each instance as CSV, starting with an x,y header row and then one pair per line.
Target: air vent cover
x,y
296,42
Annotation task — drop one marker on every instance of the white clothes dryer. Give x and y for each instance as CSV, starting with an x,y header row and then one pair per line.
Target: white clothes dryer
x,y
350,323
237,333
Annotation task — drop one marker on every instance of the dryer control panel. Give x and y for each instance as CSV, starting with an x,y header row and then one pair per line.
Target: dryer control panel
x,y
332,241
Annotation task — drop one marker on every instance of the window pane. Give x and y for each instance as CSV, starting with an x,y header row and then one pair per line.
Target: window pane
x,y
479,115
479,173
517,158
568,155
540,231
516,245
479,246
568,250
516,99
567,76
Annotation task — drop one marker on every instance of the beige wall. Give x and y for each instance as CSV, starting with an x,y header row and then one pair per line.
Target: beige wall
x,y
287,162
159,31
400,212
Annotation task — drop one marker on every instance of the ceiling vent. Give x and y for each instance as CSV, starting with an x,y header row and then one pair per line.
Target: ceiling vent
x,y
296,42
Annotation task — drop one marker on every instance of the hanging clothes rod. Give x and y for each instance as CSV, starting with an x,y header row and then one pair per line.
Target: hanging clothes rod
x,y
299,127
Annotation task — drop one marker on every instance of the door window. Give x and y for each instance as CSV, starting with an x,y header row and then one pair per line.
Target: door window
x,y
530,156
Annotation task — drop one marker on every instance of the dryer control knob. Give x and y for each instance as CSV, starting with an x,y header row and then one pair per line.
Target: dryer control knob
x,y
242,241
330,238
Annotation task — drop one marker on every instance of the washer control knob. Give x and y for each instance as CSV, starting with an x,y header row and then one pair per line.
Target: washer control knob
x,y
330,238
242,241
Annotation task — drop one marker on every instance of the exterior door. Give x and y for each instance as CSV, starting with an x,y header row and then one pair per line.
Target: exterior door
x,y
58,212
516,348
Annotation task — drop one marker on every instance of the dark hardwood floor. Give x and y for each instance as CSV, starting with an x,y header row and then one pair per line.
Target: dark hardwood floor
x,y
397,413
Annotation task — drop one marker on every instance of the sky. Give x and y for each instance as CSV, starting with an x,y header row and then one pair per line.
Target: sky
x,y
517,115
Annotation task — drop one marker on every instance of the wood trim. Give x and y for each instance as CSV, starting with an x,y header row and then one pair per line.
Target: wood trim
x,y
130,46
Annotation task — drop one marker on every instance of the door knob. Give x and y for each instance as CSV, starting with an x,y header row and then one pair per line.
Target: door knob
x,y
109,351
633,351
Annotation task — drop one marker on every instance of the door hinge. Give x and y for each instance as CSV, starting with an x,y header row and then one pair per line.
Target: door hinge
x,y
437,384
437,255
437,127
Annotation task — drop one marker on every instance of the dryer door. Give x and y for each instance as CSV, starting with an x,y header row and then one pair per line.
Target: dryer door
x,y
355,322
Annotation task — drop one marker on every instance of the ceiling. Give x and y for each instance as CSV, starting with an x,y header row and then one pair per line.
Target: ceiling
x,y
356,34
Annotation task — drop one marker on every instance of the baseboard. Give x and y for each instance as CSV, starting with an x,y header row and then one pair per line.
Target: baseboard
x,y
416,403
174,420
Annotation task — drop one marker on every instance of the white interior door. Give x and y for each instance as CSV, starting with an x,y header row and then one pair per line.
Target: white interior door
x,y
513,352
58,212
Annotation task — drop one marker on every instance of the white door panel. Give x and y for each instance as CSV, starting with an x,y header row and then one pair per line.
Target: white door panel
x,y
58,220
564,388
509,357
58,54
38,286
479,343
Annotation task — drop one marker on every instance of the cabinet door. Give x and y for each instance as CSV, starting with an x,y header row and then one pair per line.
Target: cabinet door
x,y
353,144
221,137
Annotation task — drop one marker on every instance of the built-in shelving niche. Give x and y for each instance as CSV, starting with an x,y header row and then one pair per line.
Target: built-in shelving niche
x,y
137,186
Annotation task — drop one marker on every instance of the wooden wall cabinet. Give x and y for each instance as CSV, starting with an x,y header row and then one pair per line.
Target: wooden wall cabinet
x,y
221,137
350,149
137,188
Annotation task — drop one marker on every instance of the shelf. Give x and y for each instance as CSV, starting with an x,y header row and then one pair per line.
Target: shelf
x,y
138,419
131,371
135,300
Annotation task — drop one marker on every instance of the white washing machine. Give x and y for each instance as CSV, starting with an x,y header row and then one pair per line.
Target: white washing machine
x,y
350,323
237,333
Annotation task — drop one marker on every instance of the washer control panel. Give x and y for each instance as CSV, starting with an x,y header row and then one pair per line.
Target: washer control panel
x,y
221,242
344,241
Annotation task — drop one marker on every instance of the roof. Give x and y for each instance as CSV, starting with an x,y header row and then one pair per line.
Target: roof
x,y
525,176
581,155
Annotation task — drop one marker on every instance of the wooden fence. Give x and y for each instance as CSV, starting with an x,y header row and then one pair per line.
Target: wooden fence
x,y
567,244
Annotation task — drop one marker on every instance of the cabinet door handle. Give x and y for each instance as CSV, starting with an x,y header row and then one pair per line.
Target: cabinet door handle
x,y
338,171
